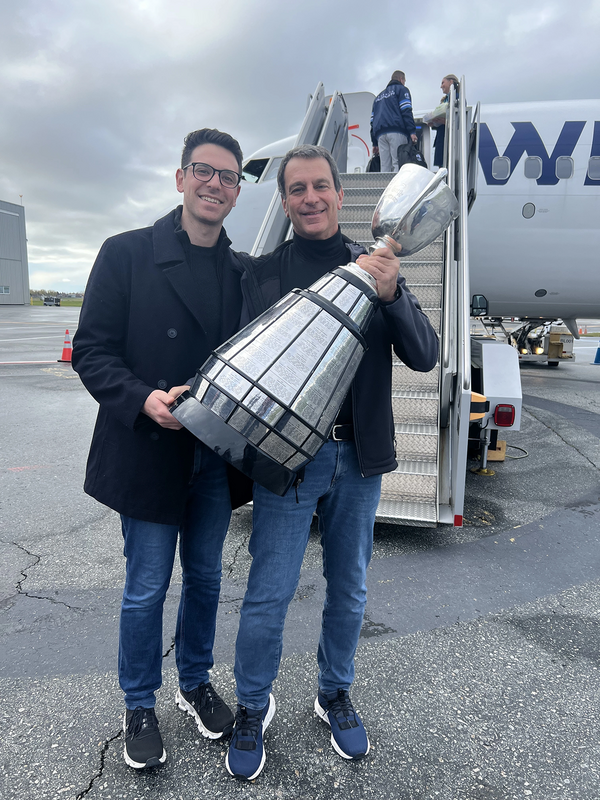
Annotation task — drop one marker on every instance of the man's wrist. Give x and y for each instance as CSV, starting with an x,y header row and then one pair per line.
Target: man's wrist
x,y
396,296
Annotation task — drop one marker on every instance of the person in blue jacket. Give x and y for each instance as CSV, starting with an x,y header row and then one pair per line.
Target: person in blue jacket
x,y
392,122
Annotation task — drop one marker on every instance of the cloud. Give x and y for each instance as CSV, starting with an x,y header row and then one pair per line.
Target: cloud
x,y
96,97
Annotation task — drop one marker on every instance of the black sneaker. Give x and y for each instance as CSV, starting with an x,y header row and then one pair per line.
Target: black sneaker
x,y
246,755
143,742
348,735
213,717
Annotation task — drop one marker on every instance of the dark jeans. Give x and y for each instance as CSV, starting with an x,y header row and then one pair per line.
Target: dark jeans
x,y
150,553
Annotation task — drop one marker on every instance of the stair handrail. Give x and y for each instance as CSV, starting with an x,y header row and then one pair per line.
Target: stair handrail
x,y
464,306
449,250
275,225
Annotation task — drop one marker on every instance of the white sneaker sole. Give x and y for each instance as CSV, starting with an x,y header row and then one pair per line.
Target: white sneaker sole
x,y
152,762
324,715
265,725
185,706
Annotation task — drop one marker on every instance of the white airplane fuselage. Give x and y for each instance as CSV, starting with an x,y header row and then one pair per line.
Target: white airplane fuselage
x,y
534,242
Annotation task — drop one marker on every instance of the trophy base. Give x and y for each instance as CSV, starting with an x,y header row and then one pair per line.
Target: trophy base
x,y
231,445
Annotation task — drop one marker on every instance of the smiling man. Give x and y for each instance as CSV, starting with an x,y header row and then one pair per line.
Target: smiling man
x,y
342,485
157,302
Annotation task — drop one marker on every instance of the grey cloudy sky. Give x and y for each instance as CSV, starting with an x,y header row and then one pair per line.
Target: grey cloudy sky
x,y
96,96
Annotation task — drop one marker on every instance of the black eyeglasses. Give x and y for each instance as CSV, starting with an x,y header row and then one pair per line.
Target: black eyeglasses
x,y
204,172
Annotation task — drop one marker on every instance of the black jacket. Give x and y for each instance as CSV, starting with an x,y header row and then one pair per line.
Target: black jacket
x,y
140,330
400,324
392,112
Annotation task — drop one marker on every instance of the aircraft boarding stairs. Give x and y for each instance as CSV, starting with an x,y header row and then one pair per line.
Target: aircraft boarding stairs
x,y
431,410
409,495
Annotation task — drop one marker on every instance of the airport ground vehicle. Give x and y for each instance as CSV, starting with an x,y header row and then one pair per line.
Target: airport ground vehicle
x,y
541,342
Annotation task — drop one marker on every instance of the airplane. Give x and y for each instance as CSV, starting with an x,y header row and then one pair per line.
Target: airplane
x,y
534,238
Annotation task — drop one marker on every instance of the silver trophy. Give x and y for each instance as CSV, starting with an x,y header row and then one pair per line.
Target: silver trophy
x,y
266,399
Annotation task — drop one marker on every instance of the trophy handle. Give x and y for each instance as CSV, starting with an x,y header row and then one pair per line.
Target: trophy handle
x,y
387,241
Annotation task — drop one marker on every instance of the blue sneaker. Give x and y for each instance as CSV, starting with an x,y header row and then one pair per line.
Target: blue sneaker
x,y
246,755
348,735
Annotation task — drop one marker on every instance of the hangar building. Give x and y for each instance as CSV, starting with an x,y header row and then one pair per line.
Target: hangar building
x,y
14,269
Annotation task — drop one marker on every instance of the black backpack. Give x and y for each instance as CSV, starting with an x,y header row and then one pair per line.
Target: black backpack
x,y
374,164
410,154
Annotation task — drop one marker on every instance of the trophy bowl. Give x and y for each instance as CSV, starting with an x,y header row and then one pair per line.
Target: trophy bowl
x,y
415,208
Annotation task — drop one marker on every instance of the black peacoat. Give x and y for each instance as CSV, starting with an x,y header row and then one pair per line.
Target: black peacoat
x,y
140,330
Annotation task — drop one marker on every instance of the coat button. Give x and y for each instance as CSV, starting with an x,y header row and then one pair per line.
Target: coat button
x,y
162,384
171,333
154,436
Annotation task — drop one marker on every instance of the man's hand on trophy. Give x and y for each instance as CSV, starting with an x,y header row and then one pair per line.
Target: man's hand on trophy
x,y
177,390
157,408
384,267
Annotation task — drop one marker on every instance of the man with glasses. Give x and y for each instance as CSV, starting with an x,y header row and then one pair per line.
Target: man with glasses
x,y
157,302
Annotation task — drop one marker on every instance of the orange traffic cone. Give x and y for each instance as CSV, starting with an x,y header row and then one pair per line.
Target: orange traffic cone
x,y
67,348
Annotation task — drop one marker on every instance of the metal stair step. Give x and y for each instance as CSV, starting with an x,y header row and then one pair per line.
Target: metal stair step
x,y
433,252
352,180
368,195
356,212
357,231
421,272
416,441
404,379
402,512
428,295
418,407
421,467
396,486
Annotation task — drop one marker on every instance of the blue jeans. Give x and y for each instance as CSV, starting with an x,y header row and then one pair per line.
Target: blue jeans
x,y
346,504
150,553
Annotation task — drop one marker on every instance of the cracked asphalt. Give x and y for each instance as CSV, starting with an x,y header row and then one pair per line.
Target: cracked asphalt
x,y
477,671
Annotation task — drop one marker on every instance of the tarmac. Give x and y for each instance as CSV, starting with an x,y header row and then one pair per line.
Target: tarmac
x,y
477,673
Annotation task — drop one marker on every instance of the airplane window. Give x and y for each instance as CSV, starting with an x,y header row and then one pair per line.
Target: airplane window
x,y
528,210
533,167
564,167
594,168
501,168
254,169
271,173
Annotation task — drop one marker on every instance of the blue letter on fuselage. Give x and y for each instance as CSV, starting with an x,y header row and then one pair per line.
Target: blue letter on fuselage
x,y
526,139
595,151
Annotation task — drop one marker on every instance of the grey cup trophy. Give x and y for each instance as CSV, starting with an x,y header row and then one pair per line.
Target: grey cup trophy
x,y
266,399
